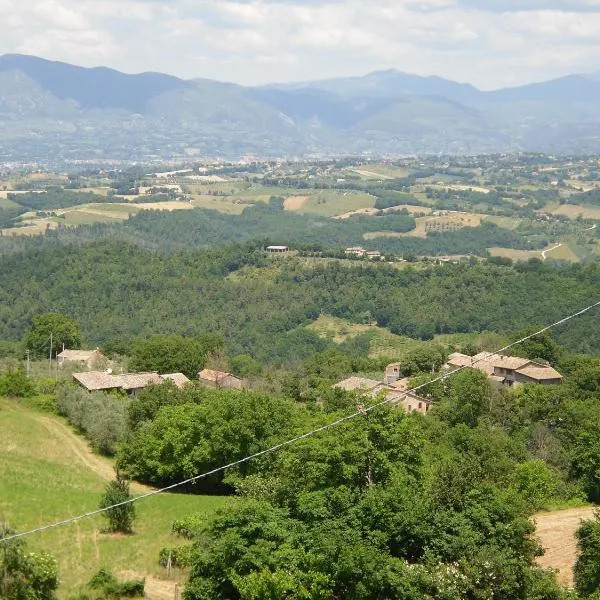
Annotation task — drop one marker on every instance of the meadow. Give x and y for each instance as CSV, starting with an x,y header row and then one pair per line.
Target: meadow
x,y
48,473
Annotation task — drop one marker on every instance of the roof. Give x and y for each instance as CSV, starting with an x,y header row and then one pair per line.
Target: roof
x,y
78,354
211,375
179,379
401,385
357,383
482,361
277,248
97,380
134,381
539,372
403,396
510,362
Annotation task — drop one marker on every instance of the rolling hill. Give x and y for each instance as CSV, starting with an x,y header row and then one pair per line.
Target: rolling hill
x,y
56,110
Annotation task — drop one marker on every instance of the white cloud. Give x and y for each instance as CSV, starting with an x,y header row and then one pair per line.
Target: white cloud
x,y
490,43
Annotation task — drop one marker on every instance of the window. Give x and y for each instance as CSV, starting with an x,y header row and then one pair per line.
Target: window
x,y
420,405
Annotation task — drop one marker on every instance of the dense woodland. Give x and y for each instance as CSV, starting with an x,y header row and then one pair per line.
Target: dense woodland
x,y
260,305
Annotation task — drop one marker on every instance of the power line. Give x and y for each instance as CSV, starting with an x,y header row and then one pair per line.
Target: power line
x,y
288,442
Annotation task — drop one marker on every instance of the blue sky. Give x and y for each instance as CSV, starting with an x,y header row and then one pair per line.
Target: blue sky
x,y
490,43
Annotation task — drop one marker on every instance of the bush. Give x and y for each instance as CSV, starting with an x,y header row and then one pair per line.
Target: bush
x,y
110,587
16,384
120,518
180,556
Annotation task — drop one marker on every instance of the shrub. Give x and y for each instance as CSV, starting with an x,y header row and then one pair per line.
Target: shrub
x,y
120,517
16,384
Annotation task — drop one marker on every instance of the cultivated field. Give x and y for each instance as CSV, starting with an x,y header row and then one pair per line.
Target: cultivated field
x,y
295,202
47,473
576,210
425,225
555,251
330,203
556,533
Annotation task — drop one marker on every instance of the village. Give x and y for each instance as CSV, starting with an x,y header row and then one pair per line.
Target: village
x,y
394,387
506,371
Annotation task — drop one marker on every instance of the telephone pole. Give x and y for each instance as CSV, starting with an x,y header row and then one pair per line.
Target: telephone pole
x,y
50,359
28,362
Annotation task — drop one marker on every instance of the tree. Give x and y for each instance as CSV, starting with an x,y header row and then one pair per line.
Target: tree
x,y
16,384
587,567
120,518
25,575
541,346
64,330
173,353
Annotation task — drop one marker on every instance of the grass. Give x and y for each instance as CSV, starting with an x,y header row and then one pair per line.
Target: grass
x,y
426,224
330,203
382,343
226,204
6,203
47,473
576,210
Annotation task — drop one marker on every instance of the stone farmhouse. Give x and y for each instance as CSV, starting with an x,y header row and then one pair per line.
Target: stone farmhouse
x,y
395,392
220,380
94,381
86,358
506,370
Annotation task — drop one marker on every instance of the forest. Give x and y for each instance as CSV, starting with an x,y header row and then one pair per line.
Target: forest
x,y
260,306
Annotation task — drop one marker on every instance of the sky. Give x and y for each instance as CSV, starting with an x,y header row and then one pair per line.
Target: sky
x,y
489,43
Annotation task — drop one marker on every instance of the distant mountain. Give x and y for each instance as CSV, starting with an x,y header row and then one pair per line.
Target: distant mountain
x,y
53,110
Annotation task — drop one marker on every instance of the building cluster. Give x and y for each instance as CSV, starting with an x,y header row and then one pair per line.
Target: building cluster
x,y
130,383
396,392
507,371
361,252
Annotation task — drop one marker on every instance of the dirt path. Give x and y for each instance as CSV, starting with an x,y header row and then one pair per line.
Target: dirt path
x,y
156,589
81,450
556,533
77,446
545,252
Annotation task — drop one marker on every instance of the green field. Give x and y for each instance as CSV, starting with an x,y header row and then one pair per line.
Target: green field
x,y
48,473
330,203
382,343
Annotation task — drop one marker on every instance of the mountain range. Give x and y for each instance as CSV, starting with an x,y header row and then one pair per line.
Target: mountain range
x,y
54,110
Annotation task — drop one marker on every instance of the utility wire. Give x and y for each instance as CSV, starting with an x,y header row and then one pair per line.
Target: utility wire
x,y
288,442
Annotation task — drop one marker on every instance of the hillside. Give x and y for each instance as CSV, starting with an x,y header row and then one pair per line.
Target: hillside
x,y
79,112
48,473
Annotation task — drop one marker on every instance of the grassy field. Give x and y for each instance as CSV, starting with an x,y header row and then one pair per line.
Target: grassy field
x,y
554,251
330,203
48,473
575,210
383,342
448,222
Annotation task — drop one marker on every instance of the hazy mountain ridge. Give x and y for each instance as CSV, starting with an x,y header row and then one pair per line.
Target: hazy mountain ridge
x,y
49,108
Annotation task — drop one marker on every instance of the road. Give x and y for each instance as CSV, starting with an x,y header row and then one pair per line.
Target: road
x,y
545,252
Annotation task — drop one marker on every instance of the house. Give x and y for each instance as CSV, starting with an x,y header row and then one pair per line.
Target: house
x,y
96,381
277,249
178,379
220,380
397,392
83,357
356,251
410,402
506,370
393,372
